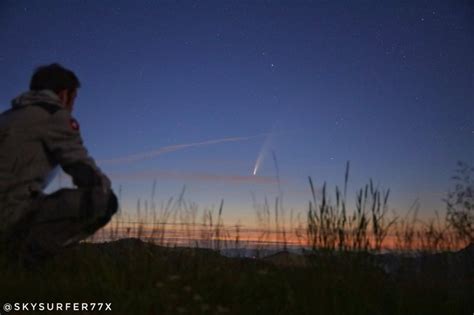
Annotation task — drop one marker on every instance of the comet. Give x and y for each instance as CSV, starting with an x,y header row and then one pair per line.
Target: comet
x,y
263,151
257,163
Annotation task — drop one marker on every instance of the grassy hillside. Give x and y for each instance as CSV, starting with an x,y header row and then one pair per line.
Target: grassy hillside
x,y
141,278
342,271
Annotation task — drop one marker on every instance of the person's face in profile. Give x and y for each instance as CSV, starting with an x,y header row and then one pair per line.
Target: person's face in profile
x,y
68,98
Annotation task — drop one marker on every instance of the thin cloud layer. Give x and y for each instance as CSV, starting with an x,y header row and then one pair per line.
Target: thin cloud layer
x,y
235,179
167,149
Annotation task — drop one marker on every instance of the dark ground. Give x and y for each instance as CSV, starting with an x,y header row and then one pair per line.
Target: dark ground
x,y
141,278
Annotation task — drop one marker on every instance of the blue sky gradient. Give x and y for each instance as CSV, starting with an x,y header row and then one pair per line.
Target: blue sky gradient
x,y
387,86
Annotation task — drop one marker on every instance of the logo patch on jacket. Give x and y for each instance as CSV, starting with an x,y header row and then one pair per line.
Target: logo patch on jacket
x,y
74,124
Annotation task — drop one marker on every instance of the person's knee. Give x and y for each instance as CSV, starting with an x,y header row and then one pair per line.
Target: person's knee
x,y
112,204
102,204
109,205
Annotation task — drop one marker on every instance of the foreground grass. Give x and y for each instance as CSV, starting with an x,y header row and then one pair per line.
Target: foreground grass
x,y
141,278
341,273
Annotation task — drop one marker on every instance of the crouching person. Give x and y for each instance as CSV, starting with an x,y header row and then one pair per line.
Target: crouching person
x,y
38,135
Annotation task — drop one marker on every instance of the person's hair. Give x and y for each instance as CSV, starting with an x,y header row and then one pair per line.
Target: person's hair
x,y
54,77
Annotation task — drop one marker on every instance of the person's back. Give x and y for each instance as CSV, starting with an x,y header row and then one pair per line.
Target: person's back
x,y
24,164
37,135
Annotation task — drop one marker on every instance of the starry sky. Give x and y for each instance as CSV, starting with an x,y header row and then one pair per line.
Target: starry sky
x,y
194,93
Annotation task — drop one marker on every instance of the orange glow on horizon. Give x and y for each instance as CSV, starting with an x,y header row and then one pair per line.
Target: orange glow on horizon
x,y
180,234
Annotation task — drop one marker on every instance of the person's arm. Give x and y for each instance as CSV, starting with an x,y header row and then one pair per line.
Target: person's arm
x,y
63,140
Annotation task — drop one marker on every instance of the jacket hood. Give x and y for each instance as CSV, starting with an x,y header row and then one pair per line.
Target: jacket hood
x,y
33,97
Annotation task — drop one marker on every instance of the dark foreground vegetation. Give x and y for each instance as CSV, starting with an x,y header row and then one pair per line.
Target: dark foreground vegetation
x,y
142,278
365,260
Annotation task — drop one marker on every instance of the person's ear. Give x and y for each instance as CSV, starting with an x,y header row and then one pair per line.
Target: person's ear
x,y
67,98
63,96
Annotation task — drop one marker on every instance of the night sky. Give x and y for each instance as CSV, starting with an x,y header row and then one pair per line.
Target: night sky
x,y
193,93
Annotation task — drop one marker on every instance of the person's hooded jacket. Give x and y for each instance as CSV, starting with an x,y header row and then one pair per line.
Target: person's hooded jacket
x,y
36,135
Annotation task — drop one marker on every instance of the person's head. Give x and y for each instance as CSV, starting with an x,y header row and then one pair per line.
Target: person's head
x,y
58,79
